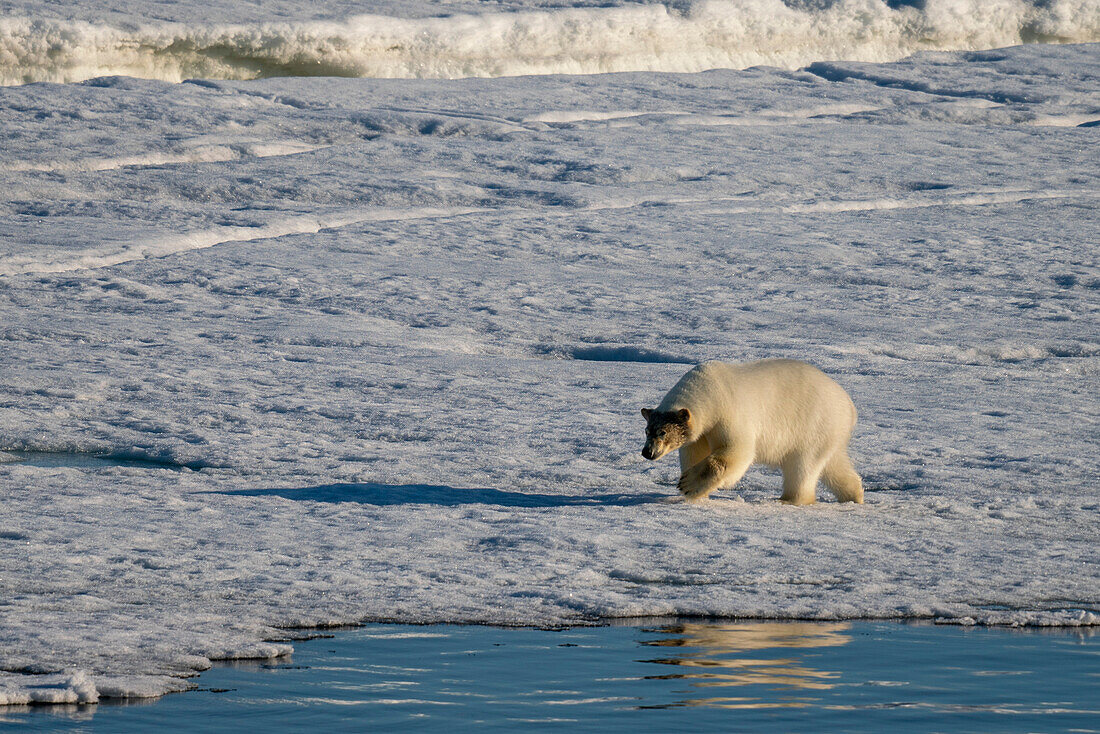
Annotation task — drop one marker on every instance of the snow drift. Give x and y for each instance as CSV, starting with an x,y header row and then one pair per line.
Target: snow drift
x,y
712,34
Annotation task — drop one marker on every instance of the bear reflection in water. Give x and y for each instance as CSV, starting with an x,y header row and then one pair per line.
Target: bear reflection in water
x,y
750,654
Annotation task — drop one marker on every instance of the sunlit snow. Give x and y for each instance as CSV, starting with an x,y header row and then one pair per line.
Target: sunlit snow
x,y
367,349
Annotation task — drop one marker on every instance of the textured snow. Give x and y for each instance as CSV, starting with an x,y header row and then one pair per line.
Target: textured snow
x,y
79,40
374,350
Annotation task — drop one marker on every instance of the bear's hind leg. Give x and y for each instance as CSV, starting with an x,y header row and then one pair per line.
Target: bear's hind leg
x,y
841,478
800,480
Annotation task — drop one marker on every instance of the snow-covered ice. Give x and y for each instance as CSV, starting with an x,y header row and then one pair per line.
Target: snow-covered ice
x,y
370,349
80,39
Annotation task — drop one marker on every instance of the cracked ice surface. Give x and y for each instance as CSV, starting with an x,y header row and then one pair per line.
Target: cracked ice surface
x,y
369,350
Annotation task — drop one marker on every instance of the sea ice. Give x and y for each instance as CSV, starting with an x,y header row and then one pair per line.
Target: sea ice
x,y
380,347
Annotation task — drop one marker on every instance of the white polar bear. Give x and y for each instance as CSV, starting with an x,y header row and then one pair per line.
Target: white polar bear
x,y
778,412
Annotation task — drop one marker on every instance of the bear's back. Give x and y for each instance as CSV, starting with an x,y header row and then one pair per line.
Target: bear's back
x,y
762,395
790,385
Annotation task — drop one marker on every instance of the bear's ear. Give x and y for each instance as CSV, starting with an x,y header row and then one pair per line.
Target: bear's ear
x,y
646,412
684,416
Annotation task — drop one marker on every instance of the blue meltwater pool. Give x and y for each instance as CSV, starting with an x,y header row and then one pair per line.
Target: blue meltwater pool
x,y
662,676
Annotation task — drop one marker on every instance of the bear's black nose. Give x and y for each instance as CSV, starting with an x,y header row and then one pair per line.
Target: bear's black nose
x,y
647,453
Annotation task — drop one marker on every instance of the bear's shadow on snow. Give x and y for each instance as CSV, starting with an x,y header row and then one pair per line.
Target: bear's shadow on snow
x,y
424,494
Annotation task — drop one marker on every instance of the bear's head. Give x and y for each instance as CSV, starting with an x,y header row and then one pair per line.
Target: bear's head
x,y
665,430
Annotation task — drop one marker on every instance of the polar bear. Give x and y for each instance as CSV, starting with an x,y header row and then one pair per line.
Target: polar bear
x,y
779,412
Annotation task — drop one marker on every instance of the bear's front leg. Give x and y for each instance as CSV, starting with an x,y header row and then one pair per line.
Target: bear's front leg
x,y
724,466
703,478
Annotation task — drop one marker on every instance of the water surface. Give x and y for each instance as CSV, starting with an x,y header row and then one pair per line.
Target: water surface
x,y
664,676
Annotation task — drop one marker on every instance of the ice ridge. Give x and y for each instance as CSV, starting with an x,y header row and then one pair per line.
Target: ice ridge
x,y
649,37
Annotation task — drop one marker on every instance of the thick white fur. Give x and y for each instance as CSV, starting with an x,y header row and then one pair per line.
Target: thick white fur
x,y
777,412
